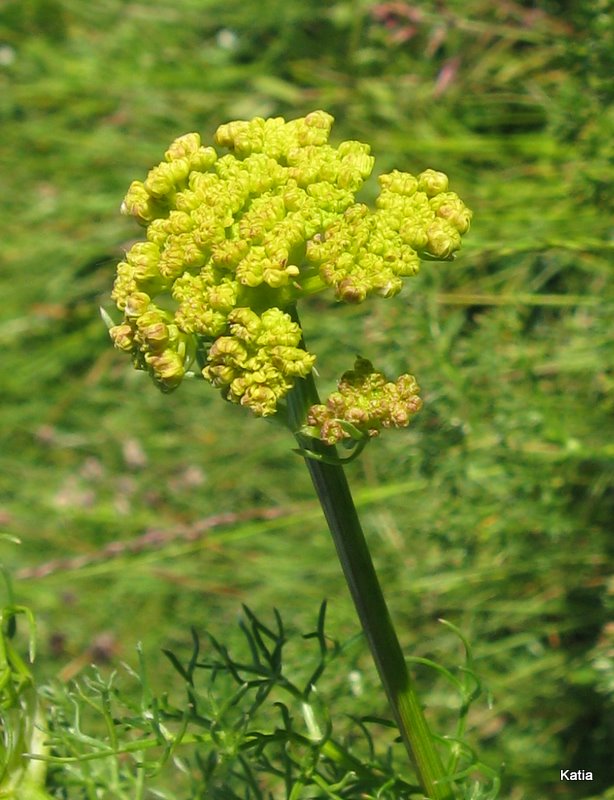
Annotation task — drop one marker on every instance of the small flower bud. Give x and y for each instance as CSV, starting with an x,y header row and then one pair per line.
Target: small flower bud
x,y
167,369
228,346
138,203
166,177
399,182
153,331
350,292
183,147
443,239
260,399
157,232
203,159
179,222
123,337
137,304
415,234
450,207
313,129
432,182
220,375
250,271
143,257
292,361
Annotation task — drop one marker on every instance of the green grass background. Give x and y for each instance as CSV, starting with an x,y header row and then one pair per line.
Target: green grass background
x,y
494,510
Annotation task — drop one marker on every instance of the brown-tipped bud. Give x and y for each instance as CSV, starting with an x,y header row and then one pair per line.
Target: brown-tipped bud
x,y
137,304
167,369
365,403
123,337
183,147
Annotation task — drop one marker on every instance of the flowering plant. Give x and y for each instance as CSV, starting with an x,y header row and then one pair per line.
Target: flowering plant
x,y
232,243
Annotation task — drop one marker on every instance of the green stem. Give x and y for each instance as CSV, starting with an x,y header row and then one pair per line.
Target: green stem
x,y
337,503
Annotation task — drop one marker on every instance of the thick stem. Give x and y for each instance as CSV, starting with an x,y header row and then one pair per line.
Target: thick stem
x,y
337,503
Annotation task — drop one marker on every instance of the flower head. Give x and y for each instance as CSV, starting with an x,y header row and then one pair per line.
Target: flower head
x,y
234,239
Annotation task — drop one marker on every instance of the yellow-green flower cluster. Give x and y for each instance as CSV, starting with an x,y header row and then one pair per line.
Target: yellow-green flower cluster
x,y
367,401
155,341
366,252
237,236
256,364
